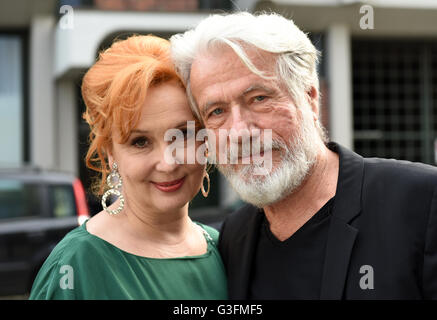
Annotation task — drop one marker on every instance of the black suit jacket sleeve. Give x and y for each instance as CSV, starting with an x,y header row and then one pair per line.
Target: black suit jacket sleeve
x,y
430,254
220,240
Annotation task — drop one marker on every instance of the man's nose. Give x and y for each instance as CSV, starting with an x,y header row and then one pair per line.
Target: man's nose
x,y
240,121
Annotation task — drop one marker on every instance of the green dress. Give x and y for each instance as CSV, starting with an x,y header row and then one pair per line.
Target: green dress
x,y
83,266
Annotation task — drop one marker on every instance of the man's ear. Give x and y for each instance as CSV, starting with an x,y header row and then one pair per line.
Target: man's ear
x,y
313,100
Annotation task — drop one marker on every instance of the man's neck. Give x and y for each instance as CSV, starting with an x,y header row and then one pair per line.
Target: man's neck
x,y
288,215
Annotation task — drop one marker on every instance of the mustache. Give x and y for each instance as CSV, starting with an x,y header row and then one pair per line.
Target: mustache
x,y
239,150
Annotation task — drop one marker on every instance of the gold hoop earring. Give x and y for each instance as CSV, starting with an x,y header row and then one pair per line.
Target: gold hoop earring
x,y
202,188
114,190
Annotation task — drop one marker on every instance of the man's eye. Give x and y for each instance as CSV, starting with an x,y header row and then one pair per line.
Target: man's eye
x,y
217,111
259,98
140,142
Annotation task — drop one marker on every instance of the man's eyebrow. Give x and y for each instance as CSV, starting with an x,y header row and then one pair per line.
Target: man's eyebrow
x,y
209,105
256,87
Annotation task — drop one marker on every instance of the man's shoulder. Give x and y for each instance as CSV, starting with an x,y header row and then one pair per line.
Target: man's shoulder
x,y
400,170
244,212
383,165
239,220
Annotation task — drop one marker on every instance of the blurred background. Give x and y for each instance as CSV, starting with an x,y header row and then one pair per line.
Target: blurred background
x,y
378,76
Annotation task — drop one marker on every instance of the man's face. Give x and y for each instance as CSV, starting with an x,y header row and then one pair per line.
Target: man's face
x,y
230,96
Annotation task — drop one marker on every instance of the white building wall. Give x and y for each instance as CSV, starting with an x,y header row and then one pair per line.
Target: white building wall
x,y
339,72
68,136
76,48
42,107
11,102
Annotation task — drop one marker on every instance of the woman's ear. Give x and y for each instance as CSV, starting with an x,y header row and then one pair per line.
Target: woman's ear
x,y
110,160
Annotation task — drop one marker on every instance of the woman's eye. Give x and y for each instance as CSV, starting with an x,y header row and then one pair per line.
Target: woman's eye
x,y
140,142
187,133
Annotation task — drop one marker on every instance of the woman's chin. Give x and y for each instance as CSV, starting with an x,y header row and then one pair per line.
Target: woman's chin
x,y
171,205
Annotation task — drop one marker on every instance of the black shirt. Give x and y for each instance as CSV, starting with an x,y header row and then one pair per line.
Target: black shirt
x,y
291,269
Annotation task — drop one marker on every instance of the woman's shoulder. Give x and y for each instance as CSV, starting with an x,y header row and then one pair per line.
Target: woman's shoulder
x,y
210,231
75,252
76,243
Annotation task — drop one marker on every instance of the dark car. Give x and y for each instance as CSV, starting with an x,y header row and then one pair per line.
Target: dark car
x,y
37,209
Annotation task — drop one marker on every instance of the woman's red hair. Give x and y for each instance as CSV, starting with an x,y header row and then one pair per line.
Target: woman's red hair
x,y
114,90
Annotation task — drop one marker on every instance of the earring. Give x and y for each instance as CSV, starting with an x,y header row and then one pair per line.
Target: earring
x,y
114,189
202,188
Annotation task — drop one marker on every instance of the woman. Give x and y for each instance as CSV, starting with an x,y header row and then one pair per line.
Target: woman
x,y
144,245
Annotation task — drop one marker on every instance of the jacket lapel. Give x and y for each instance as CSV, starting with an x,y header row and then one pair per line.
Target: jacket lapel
x,y
341,236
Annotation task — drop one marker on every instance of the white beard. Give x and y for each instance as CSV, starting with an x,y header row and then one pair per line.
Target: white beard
x,y
297,159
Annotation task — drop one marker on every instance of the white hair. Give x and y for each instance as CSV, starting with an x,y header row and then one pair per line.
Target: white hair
x,y
296,63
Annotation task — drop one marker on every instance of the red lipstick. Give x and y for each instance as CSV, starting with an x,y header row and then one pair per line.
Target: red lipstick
x,y
169,186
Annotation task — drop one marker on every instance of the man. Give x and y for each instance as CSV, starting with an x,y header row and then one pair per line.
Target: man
x,y
325,223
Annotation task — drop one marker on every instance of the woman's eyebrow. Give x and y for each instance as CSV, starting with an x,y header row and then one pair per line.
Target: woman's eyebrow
x,y
179,125
139,131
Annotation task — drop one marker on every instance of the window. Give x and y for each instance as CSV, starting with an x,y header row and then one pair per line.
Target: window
x,y
395,100
19,199
62,201
12,115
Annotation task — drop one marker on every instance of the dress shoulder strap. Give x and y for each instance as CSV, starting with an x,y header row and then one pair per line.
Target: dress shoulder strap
x,y
206,234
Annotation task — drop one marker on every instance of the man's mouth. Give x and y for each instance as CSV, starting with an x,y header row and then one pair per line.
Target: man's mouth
x,y
250,157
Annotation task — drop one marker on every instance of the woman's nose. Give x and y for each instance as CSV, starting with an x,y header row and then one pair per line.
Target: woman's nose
x,y
168,158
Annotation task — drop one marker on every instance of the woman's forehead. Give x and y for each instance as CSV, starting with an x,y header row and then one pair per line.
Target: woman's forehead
x,y
166,106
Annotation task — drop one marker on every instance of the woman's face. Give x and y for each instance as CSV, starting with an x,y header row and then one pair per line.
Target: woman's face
x,y
149,181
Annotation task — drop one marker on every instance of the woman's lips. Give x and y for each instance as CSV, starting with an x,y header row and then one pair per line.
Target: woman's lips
x,y
169,186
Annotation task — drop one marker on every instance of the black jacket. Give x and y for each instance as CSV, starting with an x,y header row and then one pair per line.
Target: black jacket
x,y
384,216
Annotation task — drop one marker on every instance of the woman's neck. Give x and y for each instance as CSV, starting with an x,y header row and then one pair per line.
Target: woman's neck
x,y
145,224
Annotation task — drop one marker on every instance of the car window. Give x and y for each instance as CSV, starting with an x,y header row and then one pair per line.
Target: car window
x,y
62,200
19,199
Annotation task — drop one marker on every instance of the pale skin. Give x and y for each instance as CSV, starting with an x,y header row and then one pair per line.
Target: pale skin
x,y
153,223
229,96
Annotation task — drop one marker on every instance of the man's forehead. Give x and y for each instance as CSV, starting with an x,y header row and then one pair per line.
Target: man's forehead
x,y
217,54
215,68
205,61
